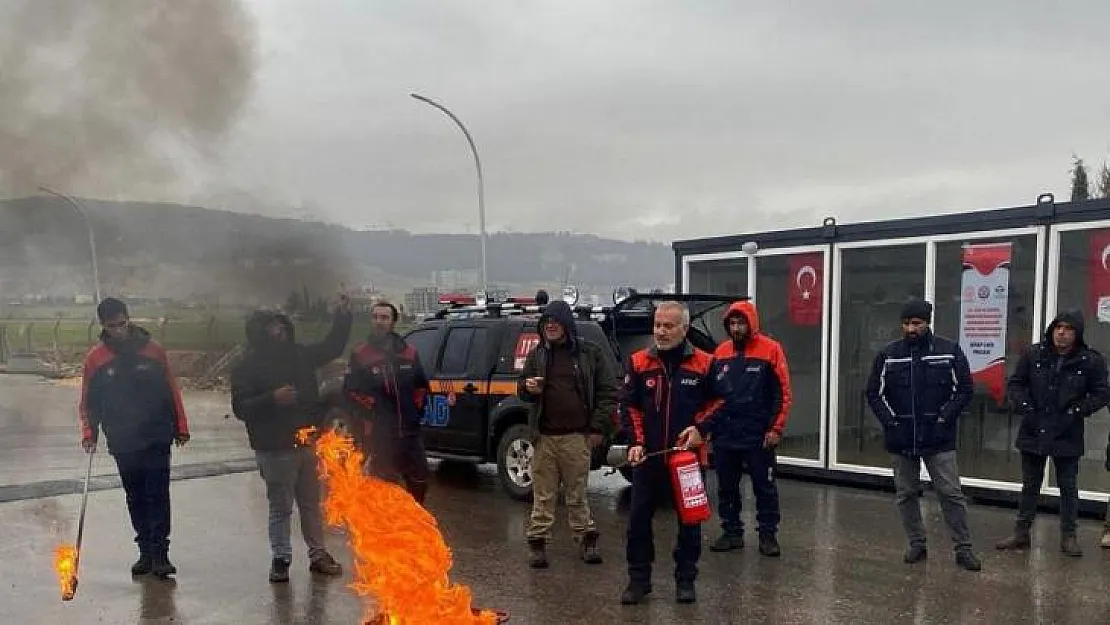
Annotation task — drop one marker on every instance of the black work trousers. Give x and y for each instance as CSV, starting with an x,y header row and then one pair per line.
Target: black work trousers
x,y
651,482
146,481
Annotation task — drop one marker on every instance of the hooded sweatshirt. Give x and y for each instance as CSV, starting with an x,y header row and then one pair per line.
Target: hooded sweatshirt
x,y
128,391
268,365
1056,392
758,383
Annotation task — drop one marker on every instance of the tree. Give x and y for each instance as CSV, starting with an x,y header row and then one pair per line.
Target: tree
x,y
1102,185
1079,187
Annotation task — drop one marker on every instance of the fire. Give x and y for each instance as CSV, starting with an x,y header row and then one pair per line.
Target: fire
x,y
65,565
401,559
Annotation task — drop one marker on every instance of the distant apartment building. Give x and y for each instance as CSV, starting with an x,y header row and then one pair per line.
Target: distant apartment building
x,y
422,300
455,279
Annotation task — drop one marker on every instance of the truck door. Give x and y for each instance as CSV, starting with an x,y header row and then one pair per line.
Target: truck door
x,y
455,421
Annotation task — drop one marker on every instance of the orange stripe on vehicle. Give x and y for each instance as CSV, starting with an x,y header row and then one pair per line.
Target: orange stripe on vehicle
x,y
496,387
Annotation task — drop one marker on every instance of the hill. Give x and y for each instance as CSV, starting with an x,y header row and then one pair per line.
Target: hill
x,y
172,250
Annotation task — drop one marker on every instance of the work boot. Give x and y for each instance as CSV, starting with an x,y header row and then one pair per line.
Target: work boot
x,y
1018,540
727,542
588,549
279,571
161,566
916,553
325,565
1105,544
968,560
143,565
537,553
635,593
1070,546
769,546
684,593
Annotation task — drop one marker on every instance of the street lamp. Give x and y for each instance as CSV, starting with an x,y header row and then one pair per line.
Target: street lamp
x,y
478,167
88,226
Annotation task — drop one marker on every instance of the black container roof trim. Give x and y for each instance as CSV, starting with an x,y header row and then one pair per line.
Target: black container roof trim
x,y
972,221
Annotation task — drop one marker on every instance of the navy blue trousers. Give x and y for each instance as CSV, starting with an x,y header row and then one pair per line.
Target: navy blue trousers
x,y
760,464
651,482
146,481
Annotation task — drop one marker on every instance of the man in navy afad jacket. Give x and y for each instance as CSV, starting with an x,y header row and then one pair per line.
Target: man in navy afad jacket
x,y
386,380
127,391
918,387
747,430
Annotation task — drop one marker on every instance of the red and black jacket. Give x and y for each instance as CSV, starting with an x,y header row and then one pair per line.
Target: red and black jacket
x,y
388,381
758,383
659,401
127,391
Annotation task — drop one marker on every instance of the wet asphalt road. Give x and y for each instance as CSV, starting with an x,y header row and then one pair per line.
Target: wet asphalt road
x,y
841,563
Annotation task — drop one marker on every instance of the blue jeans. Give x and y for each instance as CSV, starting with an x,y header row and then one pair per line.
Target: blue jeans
x,y
290,476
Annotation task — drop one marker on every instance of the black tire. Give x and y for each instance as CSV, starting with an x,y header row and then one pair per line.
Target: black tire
x,y
514,461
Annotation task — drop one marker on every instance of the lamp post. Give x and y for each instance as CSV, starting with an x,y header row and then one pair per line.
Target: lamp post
x,y
92,236
478,167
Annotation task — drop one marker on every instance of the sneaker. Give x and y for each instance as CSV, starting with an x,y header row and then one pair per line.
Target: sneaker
x,y
916,553
728,542
968,560
537,553
1069,545
325,565
143,565
684,593
160,566
279,571
634,593
769,546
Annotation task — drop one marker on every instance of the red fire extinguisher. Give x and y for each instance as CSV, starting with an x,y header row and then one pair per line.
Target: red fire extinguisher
x,y
689,490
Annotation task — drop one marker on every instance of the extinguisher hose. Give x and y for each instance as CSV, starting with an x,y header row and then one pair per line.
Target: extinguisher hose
x,y
626,463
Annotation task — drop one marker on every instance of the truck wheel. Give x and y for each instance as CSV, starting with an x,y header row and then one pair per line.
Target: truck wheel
x,y
514,461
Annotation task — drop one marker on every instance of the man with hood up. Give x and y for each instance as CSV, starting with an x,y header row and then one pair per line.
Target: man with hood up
x,y
275,392
386,379
573,393
128,391
1057,384
919,386
747,430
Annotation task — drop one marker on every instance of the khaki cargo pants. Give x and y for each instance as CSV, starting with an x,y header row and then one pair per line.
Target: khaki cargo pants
x,y
562,459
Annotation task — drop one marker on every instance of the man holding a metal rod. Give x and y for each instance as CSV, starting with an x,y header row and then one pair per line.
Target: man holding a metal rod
x,y
668,389
128,391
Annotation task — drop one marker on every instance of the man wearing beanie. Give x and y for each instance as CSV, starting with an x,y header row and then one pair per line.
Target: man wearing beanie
x,y
918,387
573,394
1056,385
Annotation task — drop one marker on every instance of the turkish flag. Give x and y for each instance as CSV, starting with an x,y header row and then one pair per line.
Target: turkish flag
x,y
805,289
1098,276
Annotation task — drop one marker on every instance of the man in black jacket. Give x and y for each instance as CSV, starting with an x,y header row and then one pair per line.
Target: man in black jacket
x,y
1057,384
918,387
573,393
385,378
128,391
275,392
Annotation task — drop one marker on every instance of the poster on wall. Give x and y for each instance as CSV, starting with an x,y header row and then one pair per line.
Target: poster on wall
x,y
984,301
805,289
1098,277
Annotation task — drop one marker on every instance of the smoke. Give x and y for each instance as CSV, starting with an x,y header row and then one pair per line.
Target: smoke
x,y
119,98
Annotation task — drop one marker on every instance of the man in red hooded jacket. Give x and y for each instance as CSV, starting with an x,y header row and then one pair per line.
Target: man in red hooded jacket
x,y
747,430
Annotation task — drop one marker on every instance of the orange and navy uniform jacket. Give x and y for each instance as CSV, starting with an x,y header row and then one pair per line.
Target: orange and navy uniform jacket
x,y
758,384
658,402
127,391
389,383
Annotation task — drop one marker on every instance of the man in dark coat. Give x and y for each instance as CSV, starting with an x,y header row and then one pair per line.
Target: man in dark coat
x,y
128,391
918,387
1057,384
275,392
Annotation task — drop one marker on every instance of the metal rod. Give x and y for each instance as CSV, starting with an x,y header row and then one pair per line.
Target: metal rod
x,y
81,519
614,468
92,236
481,191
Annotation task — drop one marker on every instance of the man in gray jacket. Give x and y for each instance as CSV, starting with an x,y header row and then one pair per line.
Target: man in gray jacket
x,y
573,393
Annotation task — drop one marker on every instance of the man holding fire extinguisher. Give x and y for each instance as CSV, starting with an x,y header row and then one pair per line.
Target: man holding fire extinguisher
x,y
668,389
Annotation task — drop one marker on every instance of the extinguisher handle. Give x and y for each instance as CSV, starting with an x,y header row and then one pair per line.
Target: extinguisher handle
x,y
627,464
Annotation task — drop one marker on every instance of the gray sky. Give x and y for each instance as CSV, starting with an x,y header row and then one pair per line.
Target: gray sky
x,y
665,120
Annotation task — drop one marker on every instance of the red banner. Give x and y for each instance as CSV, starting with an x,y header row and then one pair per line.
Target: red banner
x,y
1098,277
805,289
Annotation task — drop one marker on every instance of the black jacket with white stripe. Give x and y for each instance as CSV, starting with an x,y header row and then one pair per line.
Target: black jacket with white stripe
x,y
918,389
